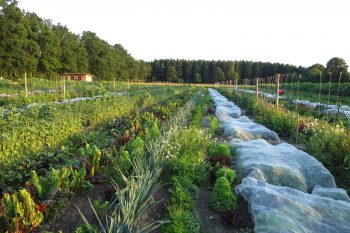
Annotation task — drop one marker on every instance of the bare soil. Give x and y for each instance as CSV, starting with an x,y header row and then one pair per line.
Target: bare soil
x,y
68,218
159,211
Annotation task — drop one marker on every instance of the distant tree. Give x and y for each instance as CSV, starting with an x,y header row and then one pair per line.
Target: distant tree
x,y
335,66
13,40
314,72
50,50
197,78
171,74
218,75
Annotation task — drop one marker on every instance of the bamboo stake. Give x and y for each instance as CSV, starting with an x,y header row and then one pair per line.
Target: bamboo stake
x,y
257,90
25,84
319,97
64,86
297,110
338,105
278,90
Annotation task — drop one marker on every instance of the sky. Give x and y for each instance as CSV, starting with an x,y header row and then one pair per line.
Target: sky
x,y
297,32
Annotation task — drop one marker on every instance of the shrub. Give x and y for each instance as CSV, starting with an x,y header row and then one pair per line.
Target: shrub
x,y
183,193
219,149
223,199
226,172
182,222
197,173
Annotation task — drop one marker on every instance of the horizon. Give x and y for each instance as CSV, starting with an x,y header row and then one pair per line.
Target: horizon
x,y
156,30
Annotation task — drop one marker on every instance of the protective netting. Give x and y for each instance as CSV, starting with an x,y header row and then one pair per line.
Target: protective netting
x,y
282,165
228,115
328,109
245,129
334,193
287,210
224,107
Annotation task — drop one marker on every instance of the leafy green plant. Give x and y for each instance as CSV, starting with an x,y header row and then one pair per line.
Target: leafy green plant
x,y
66,179
86,229
223,199
226,172
93,155
101,207
214,125
46,186
218,149
19,212
136,147
122,160
183,192
182,221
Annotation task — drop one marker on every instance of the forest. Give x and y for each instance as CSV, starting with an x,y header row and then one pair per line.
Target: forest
x,y
42,49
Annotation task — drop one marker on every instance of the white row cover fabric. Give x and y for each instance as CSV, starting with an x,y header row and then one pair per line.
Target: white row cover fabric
x,y
224,107
228,115
281,164
245,129
334,193
344,110
286,210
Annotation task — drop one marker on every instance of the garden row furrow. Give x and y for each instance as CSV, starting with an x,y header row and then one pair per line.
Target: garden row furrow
x,y
277,177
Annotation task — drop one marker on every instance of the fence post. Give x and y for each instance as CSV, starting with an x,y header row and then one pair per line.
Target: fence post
x,y
64,86
257,89
25,84
278,90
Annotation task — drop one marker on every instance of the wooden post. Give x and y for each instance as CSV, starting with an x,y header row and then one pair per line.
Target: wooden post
x,y
64,86
139,83
114,85
128,84
278,90
319,97
338,104
257,89
25,84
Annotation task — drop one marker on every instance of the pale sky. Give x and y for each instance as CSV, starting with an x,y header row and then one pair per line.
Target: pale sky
x,y
298,32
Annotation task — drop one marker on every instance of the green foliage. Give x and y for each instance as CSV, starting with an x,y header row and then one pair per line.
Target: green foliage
x,y
123,161
182,222
101,207
19,212
93,155
223,199
214,125
226,172
66,179
136,147
183,193
219,149
86,229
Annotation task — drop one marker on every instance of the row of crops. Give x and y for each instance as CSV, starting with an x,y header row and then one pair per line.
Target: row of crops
x,y
144,158
50,152
287,189
12,94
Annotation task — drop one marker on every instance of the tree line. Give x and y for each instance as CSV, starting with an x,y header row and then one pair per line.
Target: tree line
x,y
34,45
40,48
200,71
